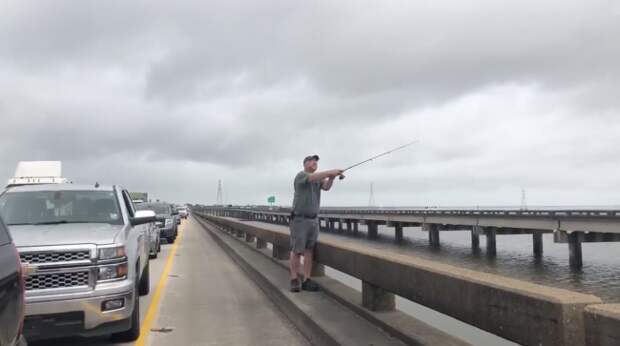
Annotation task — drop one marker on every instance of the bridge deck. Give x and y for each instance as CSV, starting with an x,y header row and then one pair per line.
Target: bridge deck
x,y
210,301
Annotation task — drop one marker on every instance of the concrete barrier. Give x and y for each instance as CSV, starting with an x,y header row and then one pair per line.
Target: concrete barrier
x,y
523,312
602,325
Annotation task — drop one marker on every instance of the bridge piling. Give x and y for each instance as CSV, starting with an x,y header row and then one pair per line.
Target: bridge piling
x,y
260,244
491,233
355,228
433,234
249,238
537,238
475,238
575,258
398,232
373,230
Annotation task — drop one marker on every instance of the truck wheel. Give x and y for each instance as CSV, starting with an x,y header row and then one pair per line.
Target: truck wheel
x,y
134,332
145,281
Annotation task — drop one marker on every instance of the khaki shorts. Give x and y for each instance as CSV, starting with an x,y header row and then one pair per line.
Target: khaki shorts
x,y
304,234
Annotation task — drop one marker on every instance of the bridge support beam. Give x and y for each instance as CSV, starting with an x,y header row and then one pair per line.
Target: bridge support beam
x,y
260,244
280,252
375,298
575,258
491,234
373,230
398,232
537,239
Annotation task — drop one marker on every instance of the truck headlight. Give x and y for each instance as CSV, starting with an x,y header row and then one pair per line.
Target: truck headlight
x,y
111,272
107,253
159,224
168,222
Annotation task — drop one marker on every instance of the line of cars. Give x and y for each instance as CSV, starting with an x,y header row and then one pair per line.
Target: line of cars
x,y
76,260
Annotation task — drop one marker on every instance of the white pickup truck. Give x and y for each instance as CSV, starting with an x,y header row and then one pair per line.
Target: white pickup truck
x,y
87,257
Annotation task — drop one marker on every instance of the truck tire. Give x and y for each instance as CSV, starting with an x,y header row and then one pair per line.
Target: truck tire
x,y
145,281
134,332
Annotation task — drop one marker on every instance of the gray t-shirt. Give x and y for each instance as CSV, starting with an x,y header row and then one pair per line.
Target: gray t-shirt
x,y
307,200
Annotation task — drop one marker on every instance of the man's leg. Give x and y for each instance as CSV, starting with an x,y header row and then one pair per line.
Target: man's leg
x,y
294,264
308,253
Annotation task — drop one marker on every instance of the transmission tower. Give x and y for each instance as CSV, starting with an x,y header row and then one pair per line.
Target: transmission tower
x,y
371,199
523,201
220,194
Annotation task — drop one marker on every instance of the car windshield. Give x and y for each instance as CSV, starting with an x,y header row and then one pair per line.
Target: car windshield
x,y
56,207
157,208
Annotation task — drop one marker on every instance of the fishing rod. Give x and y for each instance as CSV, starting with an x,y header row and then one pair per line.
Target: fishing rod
x,y
378,156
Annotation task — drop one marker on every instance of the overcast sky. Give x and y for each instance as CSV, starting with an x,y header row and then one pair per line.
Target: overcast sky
x,y
168,97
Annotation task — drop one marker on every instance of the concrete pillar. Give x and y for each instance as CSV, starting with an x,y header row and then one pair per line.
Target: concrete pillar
x,y
355,227
475,239
240,234
398,232
373,230
375,298
575,258
537,238
280,252
260,244
349,229
491,233
339,226
249,237
433,234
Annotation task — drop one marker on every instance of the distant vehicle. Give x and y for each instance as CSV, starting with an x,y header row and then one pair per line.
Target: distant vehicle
x,y
12,291
37,172
139,197
86,252
183,212
153,232
168,227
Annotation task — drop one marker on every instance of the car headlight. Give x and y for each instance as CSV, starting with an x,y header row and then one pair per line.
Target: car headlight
x,y
168,222
111,272
113,252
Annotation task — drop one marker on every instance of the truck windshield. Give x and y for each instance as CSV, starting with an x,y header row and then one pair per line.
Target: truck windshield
x,y
56,207
159,209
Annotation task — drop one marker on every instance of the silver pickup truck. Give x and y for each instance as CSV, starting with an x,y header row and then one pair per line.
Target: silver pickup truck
x,y
87,258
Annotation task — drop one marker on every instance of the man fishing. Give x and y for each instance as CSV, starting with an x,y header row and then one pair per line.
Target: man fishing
x,y
304,219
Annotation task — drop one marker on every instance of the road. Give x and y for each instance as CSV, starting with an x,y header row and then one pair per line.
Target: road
x,y
204,299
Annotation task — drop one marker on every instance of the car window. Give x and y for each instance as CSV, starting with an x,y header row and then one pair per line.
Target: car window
x,y
4,234
51,207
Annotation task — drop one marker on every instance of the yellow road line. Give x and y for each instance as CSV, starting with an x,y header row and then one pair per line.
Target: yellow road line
x,y
145,328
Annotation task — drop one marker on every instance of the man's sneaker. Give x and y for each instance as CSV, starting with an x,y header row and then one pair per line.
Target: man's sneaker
x,y
310,285
295,287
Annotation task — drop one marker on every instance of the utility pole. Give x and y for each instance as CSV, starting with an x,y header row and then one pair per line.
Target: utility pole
x,y
371,200
220,194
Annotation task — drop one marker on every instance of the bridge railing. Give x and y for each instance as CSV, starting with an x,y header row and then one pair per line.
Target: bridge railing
x,y
523,312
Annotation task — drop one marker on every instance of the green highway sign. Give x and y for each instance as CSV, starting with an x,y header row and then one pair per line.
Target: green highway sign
x,y
271,199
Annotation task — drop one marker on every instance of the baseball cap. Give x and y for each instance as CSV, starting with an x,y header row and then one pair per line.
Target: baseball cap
x,y
311,157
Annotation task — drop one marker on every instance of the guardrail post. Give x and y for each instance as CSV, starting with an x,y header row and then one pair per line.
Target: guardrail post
x,y
260,244
491,233
575,259
373,230
375,298
398,232
280,252
537,238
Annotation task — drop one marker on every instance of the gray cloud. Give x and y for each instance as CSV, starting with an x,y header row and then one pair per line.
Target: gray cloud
x,y
162,97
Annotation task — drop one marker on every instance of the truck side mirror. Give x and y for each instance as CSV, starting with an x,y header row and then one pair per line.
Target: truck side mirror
x,y
143,216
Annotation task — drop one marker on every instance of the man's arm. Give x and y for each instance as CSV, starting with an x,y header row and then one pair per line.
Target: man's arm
x,y
320,176
327,183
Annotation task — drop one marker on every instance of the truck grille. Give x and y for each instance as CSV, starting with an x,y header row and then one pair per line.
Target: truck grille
x,y
57,280
55,257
